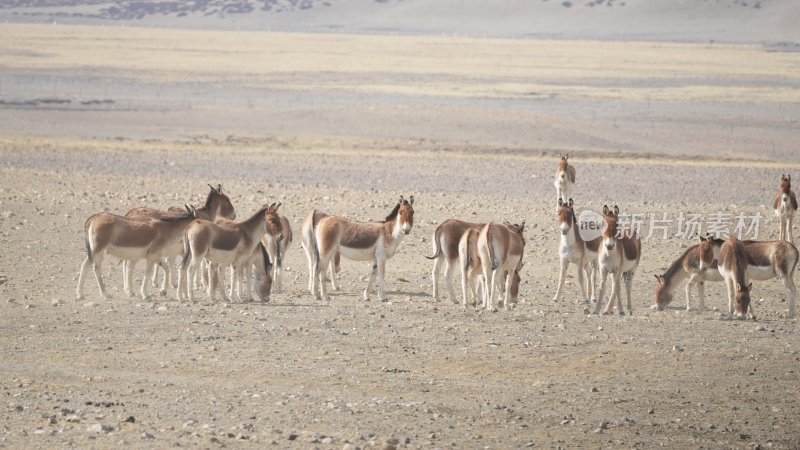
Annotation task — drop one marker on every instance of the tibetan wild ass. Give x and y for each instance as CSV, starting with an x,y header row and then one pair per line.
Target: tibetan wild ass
x,y
217,205
445,243
565,178
573,249
226,244
277,252
699,264
785,208
767,260
619,256
375,242
500,249
309,244
733,267
130,240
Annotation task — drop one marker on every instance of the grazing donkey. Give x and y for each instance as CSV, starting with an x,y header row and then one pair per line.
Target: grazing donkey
x,y
277,251
619,256
565,178
733,267
766,260
500,249
699,264
309,244
445,243
785,207
573,249
376,242
130,240
262,268
226,244
217,205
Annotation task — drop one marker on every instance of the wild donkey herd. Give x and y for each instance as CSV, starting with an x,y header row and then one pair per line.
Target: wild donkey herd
x,y
489,255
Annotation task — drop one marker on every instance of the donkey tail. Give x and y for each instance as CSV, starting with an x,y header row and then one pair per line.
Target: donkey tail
x,y
437,248
489,245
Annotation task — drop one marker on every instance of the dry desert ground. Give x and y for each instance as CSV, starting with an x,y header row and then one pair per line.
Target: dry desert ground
x,y
103,119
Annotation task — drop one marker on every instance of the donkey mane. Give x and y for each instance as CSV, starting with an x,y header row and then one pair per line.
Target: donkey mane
x,y
677,265
265,255
393,215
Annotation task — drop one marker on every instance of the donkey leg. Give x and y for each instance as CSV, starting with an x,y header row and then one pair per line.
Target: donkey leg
x,y
731,293
437,266
98,263
581,282
701,292
381,275
688,288
82,278
128,285
591,281
789,228
165,266
372,274
448,279
613,295
148,275
507,295
788,281
562,274
464,282
601,295
495,284
628,286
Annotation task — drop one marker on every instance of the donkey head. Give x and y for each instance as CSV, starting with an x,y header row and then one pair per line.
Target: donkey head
x,y
708,251
611,233
566,216
513,290
742,300
263,277
405,214
663,293
219,204
563,165
273,221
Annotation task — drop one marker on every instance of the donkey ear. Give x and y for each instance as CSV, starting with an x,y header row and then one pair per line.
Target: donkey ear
x,y
605,210
522,226
560,202
570,203
616,210
411,200
750,286
738,287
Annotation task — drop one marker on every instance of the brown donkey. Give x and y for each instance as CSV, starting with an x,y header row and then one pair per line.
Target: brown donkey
x,y
699,264
573,249
565,178
619,256
785,208
226,244
733,267
501,248
375,242
445,243
767,260
130,240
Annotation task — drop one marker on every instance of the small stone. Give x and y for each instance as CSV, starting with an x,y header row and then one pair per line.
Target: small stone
x,y
677,348
100,428
130,419
147,435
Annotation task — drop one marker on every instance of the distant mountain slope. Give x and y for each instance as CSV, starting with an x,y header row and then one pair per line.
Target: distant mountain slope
x,y
768,21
